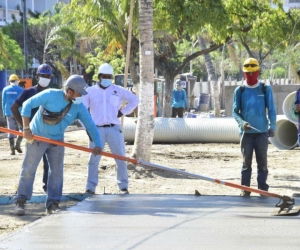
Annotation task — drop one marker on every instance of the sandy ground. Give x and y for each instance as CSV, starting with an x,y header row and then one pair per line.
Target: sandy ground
x,y
222,161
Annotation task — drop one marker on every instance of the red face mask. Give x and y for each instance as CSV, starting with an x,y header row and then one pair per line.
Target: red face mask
x,y
251,77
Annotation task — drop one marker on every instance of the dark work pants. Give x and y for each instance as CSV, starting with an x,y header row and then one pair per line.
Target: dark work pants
x,y
258,143
46,170
177,111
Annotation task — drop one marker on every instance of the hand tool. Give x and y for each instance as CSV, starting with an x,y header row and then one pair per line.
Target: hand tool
x,y
286,204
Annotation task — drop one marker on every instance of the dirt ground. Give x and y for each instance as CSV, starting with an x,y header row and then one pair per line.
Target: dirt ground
x,y
222,161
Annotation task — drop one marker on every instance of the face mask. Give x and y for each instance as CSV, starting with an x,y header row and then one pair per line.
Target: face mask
x,y
44,82
105,82
14,83
251,78
179,87
77,100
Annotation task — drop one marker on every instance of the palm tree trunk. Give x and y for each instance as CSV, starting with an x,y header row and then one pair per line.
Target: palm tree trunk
x,y
211,76
145,125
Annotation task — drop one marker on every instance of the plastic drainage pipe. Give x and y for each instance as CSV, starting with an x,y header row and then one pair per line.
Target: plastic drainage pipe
x,y
286,135
287,107
189,130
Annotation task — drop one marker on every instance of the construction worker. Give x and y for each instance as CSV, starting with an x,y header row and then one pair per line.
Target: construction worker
x,y
57,110
104,100
255,113
179,100
43,76
9,94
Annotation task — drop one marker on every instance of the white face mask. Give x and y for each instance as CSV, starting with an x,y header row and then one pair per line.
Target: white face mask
x,y
15,83
44,82
178,87
77,100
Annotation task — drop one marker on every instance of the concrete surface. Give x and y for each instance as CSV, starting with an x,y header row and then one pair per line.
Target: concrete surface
x,y
162,222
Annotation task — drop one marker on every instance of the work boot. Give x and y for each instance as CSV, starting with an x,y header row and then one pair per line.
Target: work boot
x,y
12,145
124,191
20,207
53,208
245,193
18,144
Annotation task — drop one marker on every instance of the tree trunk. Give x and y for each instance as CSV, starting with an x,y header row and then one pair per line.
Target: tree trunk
x,y
211,76
145,125
132,67
167,96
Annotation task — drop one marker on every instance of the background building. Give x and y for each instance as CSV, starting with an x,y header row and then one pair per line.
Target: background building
x,y
9,8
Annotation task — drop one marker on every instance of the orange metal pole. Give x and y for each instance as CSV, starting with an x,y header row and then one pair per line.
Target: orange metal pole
x,y
148,164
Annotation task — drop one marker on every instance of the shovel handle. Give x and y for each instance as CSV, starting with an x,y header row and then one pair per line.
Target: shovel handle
x,y
69,145
148,164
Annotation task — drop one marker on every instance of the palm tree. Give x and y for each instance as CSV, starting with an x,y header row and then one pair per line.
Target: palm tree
x,y
145,126
211,75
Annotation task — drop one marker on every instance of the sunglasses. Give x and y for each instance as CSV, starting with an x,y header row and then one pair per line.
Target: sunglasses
x,y
250,65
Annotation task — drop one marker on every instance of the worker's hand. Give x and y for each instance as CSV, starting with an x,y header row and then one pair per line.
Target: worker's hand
x,y
271,133
97,150
27,134
120,114
297,108
246,126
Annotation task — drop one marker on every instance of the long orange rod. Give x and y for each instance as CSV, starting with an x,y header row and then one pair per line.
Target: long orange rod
x,y
148,164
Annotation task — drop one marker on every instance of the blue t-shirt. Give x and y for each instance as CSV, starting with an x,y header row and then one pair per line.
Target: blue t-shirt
x,y
54,101
255,106
25,95
9,95
179,99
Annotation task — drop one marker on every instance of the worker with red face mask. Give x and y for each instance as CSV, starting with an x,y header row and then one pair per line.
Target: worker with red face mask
x,y
255,112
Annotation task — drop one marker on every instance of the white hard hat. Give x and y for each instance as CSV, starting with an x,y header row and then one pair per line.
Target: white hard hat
x,y
106,68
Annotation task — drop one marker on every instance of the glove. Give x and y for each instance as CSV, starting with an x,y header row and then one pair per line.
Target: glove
x,y
271,133
245,126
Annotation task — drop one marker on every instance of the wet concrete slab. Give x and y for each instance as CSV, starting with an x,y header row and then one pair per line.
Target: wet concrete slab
x,y
162,222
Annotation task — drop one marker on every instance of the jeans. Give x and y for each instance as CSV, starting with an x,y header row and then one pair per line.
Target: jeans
x,y
13,125
258,143
177,111
114,137
33,155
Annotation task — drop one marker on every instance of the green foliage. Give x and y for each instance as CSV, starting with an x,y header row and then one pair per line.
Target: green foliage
x,y
117,61
10,53
182,17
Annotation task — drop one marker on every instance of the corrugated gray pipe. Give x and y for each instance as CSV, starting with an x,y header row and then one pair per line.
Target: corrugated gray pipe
x,y
286,135
188,130
287,106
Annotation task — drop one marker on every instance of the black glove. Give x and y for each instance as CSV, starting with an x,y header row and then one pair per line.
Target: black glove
x,y
245,126
89,136
271,133
119,114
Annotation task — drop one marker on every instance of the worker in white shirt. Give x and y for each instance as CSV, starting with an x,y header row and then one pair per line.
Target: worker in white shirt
x,y
104,100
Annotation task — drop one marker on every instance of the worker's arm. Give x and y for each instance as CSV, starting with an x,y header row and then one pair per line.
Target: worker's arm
x,y
27,134
15,110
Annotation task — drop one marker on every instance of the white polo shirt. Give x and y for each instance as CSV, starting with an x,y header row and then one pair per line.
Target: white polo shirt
x,y
104,104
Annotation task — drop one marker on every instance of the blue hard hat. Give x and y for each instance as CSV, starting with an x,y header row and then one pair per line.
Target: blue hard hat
x,y
44,69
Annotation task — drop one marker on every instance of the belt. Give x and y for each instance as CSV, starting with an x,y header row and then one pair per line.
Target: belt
x,y
106,126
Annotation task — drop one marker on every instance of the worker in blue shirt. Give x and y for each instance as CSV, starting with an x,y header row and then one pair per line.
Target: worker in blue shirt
x,y
57,110
255,112
179,100
9,94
